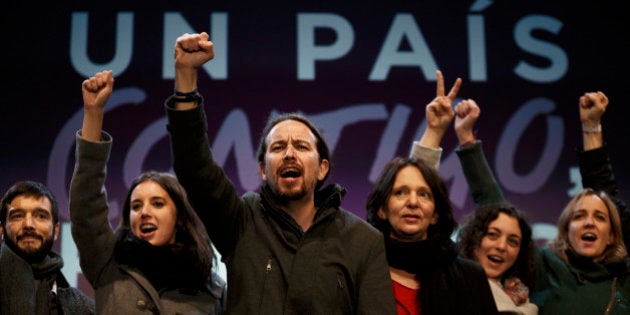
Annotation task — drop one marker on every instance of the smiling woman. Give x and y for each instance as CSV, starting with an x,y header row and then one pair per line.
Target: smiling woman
x,y
505,231
498,236
586,268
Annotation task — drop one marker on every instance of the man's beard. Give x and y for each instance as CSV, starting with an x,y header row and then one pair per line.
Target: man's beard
x,y
285,195
30,255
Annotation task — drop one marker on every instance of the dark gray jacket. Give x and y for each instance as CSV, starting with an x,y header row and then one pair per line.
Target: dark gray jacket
x,y
17,288
119,289
337,266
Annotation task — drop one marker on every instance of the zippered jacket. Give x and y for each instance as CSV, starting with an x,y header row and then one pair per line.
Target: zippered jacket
x,y
337,266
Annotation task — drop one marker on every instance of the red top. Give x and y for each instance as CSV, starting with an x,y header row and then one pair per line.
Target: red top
x,y
407,302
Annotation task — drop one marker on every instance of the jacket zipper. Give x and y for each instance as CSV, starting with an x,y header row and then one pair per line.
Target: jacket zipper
x,y
612,296
268,268
267,271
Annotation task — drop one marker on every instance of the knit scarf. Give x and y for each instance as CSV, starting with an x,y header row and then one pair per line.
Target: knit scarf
x,y
19,287
48,266
419,257
166,267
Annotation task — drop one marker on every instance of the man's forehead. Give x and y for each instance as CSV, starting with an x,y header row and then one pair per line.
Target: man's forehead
x,y
26,202
291,129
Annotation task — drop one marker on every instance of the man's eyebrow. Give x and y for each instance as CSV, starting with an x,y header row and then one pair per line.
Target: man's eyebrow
x,y
300,140
38,209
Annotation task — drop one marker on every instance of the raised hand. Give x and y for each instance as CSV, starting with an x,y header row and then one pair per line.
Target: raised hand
x,y
592,108
97,89
439,112
466,114
193,50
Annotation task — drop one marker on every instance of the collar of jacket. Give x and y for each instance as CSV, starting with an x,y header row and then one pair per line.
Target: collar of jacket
x,y
327,202
588,271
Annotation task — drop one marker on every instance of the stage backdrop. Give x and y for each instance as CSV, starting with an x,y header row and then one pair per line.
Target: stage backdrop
x,y
362,71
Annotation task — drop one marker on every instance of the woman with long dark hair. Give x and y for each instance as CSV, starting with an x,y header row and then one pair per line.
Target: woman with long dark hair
x,y
160,258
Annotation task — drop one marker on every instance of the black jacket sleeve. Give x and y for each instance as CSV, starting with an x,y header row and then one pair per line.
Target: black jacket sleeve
x,y
597,173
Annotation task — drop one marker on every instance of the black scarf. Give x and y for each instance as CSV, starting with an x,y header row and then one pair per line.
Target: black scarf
x,y
19,292
589,271
419,257
48,266
166,267
46,271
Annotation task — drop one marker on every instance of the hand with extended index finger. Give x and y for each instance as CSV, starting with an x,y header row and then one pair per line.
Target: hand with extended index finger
x,y
439,112
440,87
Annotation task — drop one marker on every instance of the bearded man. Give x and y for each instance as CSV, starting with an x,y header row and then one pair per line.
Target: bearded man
x,y
31,281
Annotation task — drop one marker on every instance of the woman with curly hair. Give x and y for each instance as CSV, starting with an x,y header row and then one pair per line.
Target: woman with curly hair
x,y
498,236
585,269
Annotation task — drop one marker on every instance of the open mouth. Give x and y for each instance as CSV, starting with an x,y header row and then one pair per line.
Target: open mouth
x,y
290,172
147,228
495,259
589,237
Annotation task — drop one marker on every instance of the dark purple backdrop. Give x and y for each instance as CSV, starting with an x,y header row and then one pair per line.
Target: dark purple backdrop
x,y
568,47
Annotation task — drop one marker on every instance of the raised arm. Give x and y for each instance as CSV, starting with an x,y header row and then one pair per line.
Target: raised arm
x,y
96,91
88,207
210,191
439,115
592,108
481,182
191,52
595,166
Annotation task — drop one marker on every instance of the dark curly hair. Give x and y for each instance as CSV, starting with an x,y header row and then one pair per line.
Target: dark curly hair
x,y
476,227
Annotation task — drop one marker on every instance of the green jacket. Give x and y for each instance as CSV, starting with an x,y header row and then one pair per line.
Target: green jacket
x,y
581,287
